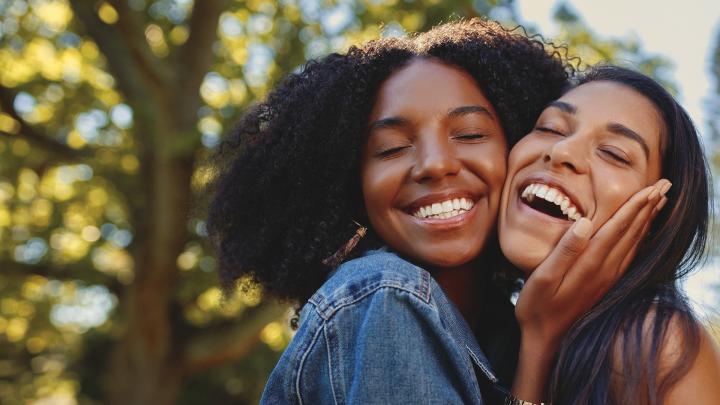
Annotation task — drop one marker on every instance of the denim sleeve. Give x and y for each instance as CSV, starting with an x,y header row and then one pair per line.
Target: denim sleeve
x,y
304,352
387,347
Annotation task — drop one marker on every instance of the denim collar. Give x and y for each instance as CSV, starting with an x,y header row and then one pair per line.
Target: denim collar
x,y
456,323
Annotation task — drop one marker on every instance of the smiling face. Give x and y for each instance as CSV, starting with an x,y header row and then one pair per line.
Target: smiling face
x,y
433,164
589,152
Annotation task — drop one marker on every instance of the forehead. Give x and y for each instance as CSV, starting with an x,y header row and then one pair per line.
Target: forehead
x,y
604,102
427,86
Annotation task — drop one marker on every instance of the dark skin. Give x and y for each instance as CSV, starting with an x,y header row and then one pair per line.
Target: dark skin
x,y
435,142
432,171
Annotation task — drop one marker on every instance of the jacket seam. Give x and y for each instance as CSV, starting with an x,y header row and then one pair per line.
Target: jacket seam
x,y
482,366
370,290
330,368
302,364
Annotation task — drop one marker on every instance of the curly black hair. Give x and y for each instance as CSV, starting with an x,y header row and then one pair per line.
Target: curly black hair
x,y
286,188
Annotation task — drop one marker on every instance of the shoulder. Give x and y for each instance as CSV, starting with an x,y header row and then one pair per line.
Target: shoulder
x,y
683,355
365,276
699,385
373,328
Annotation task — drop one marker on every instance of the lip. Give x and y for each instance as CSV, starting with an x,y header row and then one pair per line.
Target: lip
x,y
554,183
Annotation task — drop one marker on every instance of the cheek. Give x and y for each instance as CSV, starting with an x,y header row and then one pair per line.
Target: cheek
x,y
526,151
496,173
612,193
491,166
378,187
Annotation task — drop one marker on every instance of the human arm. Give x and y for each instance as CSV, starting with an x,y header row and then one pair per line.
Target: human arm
x,y
573,278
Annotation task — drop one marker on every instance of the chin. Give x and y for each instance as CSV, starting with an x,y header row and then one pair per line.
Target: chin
x,y
451,257
524,254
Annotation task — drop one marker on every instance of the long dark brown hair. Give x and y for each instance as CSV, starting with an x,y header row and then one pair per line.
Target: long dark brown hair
x,y
632,321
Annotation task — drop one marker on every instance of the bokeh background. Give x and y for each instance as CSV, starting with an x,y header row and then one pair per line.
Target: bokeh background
x,y
108,291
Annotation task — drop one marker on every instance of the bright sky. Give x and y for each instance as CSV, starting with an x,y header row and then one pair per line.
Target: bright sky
x,y
683,32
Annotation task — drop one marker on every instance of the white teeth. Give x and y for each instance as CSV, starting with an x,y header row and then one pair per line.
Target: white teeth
x,y
552,195
542,191
436,209
445,209
564,204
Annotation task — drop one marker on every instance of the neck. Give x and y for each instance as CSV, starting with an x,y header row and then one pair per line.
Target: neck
x,y
461,286
464,285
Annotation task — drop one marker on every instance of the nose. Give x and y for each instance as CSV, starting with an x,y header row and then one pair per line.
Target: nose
x,y
568,152
436,159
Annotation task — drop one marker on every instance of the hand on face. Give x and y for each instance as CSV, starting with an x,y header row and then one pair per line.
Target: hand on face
x,y
572,279
594,154
582,267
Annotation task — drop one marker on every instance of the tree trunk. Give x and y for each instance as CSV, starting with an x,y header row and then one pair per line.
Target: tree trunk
x,y
146,364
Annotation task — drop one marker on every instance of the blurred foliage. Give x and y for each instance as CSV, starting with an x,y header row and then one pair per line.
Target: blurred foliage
x,y
712,107
107,109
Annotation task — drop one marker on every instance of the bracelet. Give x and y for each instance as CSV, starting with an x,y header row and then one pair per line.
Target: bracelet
x,y
511,400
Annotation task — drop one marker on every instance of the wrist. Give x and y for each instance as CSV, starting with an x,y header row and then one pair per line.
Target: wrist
x,y
538,347
534,364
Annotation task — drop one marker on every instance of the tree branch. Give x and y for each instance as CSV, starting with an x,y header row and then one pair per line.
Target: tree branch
x,y
134,38
222,346
33,135
19,270
122,54
196,56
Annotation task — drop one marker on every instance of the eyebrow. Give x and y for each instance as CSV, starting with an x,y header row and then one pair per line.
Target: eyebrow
x,y
563,106
469,109
395,122
613,127
390,122
622,130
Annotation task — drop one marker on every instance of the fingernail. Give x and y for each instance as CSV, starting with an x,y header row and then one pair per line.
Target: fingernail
x,y
664,189
582,227
653,194
661,204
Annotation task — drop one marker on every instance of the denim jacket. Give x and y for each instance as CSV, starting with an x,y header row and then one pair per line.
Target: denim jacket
x,y
380,331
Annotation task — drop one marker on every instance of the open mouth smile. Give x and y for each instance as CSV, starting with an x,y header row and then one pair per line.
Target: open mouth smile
x,y
550,201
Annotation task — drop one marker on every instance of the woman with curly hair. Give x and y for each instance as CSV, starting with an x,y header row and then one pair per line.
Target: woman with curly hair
x,y
407,137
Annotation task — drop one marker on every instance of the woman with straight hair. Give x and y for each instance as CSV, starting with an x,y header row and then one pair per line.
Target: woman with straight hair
x,y
611,134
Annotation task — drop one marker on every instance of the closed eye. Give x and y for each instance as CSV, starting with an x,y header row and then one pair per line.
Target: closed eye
x,y
470,137
615,156
391,151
